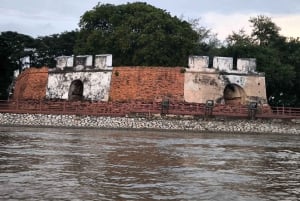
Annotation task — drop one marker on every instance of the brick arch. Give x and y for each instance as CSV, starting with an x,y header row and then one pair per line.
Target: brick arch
x,y
234,94
76,90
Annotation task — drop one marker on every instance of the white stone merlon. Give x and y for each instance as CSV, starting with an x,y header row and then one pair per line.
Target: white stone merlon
x,y
85,62
197,63
63,61
70,61
103,61
89,60
246,64
82,61
223,63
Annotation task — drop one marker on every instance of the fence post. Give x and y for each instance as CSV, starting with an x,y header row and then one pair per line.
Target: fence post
x,y
165,104
209,108
252,109
40,106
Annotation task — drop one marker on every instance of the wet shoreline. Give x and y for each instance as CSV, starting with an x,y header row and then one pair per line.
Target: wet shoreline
x,y
237,126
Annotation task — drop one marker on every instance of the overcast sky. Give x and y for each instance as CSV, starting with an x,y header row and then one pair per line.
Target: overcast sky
x,y
45,17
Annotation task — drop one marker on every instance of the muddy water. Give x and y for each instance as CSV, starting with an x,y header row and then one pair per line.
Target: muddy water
x,y
52,164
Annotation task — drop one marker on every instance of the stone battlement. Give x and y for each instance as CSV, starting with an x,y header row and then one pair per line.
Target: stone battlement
x,y
224,64
84,62
195,64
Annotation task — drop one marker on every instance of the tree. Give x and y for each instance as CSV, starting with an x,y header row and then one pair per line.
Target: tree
x,y
275,56
49,47
240,39
12,49
208,43
43,51
239,45
136,34
264,30
292,57
272,54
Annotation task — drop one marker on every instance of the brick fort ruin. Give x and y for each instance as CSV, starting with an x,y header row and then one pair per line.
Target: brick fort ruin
x,y
93,78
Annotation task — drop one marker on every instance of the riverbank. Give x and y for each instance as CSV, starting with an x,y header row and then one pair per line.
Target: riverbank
x,y
158,123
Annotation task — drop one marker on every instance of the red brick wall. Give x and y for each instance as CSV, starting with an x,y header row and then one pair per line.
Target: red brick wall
x,y
31,84
127,83
147,83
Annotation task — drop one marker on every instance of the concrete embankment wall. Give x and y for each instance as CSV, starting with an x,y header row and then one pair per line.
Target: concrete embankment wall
x,y
73,121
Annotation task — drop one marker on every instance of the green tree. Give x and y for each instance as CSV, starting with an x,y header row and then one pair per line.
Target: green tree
x,y
292,57
49,47
136,34
272,54
208,44
275,56
264,32
239,45
240,39
12,45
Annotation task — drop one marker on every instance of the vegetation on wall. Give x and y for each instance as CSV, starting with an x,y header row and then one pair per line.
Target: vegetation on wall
x,y
140,34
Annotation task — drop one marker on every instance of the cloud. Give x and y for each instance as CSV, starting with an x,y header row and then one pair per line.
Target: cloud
x,y
39,18
225,24
289,25
36,24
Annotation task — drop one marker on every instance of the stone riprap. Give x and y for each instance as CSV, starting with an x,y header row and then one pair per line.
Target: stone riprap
x,y
74,121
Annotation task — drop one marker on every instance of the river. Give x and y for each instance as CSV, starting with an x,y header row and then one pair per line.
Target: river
x,y
92,164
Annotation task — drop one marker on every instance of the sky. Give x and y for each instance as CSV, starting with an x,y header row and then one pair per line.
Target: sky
x,y
222,17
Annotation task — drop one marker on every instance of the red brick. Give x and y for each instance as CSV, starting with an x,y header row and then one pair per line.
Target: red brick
x,y
31,84
147,83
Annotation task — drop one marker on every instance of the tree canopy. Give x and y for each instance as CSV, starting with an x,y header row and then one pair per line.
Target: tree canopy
x,y
42,52
12,46
50,47
136,34
276,56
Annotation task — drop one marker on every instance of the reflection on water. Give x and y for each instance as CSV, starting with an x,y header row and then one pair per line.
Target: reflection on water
x,y
53,164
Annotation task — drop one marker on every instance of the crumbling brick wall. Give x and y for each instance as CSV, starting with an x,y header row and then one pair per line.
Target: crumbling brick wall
x,y
31,84
147,84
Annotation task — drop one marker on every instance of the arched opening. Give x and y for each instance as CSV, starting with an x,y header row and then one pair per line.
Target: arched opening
x,y
76,90
234,94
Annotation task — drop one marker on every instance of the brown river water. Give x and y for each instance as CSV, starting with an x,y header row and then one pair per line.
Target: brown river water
x,y
78,164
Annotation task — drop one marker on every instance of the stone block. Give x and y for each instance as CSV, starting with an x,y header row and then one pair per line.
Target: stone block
x,y
61,62
246,64
70,61
197,63
89,61
81,61
223,63
103,61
